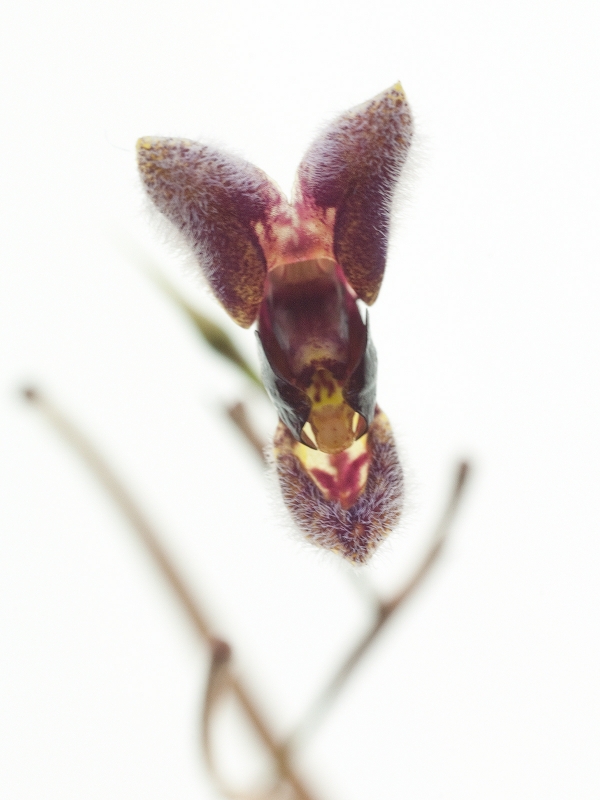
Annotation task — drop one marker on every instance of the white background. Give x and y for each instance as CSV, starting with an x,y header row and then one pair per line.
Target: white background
x,y
487,335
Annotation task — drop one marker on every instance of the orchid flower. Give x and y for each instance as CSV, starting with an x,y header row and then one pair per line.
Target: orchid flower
x,y
299,268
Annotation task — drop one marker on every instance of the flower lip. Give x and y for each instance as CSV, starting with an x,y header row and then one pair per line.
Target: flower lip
x,y
319,363
349,502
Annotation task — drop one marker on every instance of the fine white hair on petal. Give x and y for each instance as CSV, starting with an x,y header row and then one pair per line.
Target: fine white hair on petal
x,y
354,166
215,200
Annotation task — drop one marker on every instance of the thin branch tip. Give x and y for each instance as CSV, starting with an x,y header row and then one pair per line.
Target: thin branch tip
x,y
464,470
238,414
30,393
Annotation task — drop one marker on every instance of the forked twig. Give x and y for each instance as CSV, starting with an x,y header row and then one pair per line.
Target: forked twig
x,y
151,541
218,687
384,612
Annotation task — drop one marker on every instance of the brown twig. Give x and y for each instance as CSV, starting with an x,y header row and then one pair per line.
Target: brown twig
x,y
384,612
151,541
215,336
218,686
238,414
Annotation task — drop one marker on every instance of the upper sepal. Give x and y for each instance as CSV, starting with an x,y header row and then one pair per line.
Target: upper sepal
x,y
353,167
217,201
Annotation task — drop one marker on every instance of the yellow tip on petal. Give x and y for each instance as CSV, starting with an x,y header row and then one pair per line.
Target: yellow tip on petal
x,y
144,143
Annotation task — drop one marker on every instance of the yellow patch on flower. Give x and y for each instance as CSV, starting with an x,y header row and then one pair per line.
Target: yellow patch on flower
x,y
331,418
340,477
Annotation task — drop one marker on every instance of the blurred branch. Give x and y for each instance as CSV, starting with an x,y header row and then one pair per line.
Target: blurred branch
x,y
151,541
238,414
217,688
384,612
213,334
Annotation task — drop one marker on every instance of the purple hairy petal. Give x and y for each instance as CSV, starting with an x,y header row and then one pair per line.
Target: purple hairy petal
x,y
353,167
217,201
347,502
